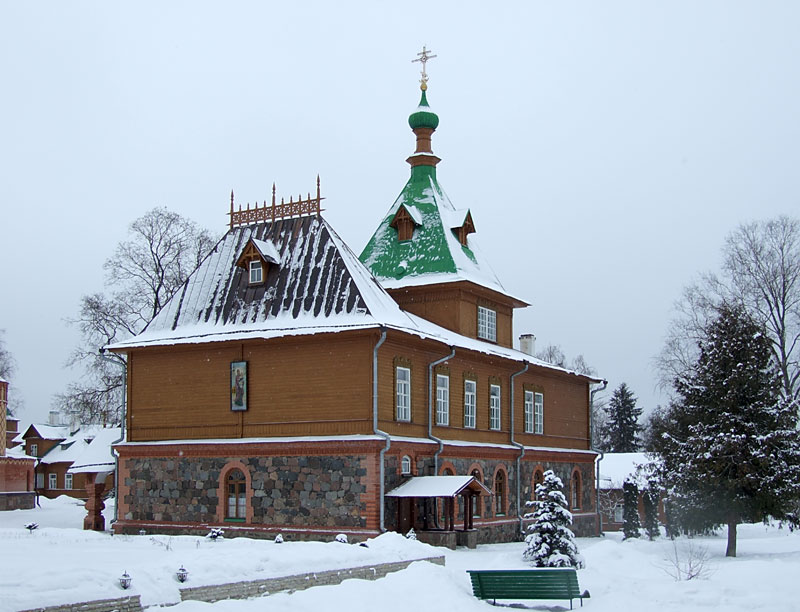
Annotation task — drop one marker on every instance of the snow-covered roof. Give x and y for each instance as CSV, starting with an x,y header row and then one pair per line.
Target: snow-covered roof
x,y
267,250
438,486
96,456
49,432
17,452
434,252
615,468
320,287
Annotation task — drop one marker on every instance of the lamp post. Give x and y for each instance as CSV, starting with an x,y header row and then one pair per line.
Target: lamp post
x,y
125,580
182,574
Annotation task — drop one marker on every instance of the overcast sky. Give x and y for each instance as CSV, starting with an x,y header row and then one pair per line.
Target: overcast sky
x,y
604,148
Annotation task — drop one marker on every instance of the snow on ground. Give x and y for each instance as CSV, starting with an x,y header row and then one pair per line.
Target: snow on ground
x,y
60,563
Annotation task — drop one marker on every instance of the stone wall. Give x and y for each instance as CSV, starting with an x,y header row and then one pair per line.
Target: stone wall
x,y
121,604
315,491
254,588
17,501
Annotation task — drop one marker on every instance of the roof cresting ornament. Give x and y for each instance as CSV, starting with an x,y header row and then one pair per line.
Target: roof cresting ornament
x,y
423,58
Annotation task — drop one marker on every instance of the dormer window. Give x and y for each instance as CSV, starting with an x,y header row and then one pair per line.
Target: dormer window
x,y
404,221
256,272
487,324
465,228
256,258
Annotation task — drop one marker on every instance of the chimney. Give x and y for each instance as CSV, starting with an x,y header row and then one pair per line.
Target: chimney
x,y
54,418
527,344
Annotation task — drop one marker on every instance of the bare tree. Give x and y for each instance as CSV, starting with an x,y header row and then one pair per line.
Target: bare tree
x,y
143,274
8,367
761,272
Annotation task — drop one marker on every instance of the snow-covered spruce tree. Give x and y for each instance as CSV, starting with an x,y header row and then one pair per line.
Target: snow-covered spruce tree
x,y
550,542
650,497
734,454
631,527
622,423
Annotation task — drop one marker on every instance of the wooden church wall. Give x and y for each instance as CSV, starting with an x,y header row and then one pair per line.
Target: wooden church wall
x,y
297,386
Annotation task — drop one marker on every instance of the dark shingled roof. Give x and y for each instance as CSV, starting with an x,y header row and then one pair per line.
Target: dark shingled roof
x,y
313,279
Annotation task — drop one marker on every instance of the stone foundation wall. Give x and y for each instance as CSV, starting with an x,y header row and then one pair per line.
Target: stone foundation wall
x,y
17,501
316,491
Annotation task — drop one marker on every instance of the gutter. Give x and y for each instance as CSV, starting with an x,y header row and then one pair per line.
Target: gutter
x,y
521,447
377,431
432,365
124,364
601,454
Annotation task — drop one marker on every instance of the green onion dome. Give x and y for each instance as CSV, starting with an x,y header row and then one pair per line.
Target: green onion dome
x,y
423,117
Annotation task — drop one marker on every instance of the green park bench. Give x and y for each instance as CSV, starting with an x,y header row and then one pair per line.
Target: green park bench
x,y
538,583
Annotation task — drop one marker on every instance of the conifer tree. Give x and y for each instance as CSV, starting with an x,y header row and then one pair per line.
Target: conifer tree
x,y
550,542
733,453
630,510
622,426
650,502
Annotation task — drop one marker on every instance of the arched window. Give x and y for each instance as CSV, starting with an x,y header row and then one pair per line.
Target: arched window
x,y
500,493
236,495
405,465
576,490
538,478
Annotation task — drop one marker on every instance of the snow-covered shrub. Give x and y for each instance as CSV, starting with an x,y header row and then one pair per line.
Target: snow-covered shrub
x,y
411,535
341,538
216,534
550,541
279,539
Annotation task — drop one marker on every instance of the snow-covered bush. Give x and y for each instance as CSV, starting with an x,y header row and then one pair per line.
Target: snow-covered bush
x,y
341,538
550,542
279,539
411,535
216,534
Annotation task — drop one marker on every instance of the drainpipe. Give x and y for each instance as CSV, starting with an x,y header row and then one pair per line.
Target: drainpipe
x,y
124,364
432,365
521,447
377,431
591,447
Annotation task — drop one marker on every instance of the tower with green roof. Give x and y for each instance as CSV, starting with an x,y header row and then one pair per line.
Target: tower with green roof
x,y
425,254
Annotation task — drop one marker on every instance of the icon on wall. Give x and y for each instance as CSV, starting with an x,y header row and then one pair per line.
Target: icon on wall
x,y
238,385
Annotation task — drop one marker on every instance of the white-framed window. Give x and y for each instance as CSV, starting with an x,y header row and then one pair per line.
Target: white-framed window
x,y
256,272
494,406
34,450
469,403
405,465
40,481
487,324
442,399
52,481
68,481
538,412
528,411
403,393
618,518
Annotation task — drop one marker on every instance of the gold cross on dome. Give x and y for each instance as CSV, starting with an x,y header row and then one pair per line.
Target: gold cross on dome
x,y
423,58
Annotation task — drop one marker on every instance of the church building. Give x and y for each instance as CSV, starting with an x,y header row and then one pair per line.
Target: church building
x,y
291,386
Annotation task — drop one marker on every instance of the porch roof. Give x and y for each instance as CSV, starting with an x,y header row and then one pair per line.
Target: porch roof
x,y
438,486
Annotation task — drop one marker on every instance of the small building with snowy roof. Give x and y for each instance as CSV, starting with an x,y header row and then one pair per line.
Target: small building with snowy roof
x,y
612,472
16,468
291,386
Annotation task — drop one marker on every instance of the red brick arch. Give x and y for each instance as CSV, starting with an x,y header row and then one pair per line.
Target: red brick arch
x,y
222,493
